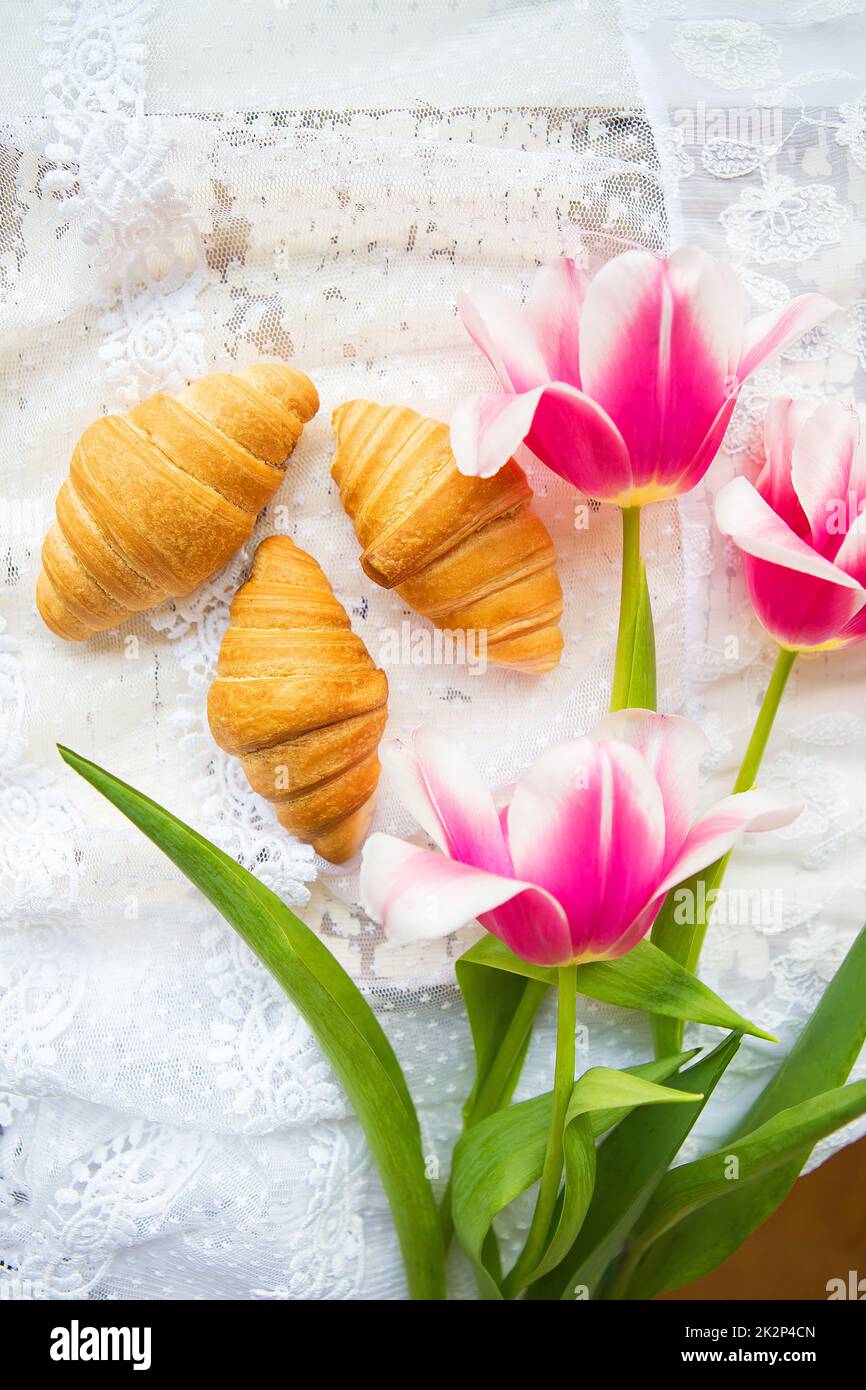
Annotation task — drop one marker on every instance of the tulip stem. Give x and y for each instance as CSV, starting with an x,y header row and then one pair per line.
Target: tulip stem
x,y
563,1085
764,723
746,778
628,607
684,941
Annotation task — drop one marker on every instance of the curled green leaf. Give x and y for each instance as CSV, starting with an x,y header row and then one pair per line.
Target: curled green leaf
x,y
646,979
642,680
821,1058
339,1016
502,1156
631,1163
686,1189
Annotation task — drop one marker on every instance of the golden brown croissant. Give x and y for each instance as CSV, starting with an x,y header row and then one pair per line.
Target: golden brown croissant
x,y
298,698
159,498
467,553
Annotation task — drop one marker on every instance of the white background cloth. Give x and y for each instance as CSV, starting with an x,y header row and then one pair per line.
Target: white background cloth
x,y
187,188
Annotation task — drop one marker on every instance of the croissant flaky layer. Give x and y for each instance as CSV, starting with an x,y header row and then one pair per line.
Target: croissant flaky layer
x,y
467,553
157,499
300,701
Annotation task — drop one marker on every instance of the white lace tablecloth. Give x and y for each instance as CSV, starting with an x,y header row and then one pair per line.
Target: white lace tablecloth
x,y
187,188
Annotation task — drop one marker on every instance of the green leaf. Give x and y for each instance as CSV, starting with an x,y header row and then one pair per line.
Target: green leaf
x,y
658,1070
631,1163
494,1162
645,979
492,954
642,681
648,979
690,1187
821,1058
324,994
682,941
502,1156
501,1008
596,1092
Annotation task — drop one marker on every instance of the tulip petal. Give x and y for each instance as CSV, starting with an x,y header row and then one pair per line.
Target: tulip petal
x,y
800,612
657,342
553,312
773,332
672,748
586,822
854,630
822,462
706,451
448,799
742,514
575,438
785,418
505,335
487,429
851,556
417,895
636,931
564,429
719,829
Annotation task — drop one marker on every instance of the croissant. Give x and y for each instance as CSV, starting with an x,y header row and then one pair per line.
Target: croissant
x,y
299,699
159,498
467,553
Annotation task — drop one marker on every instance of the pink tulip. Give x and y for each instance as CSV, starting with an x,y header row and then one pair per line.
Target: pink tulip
x,y
576,868
623,385
801,527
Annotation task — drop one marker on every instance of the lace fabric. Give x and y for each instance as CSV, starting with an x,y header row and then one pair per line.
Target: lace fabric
x,y
316,184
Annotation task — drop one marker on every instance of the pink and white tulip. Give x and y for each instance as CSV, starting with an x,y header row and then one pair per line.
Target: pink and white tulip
x,y
802,527
577,866
624,384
